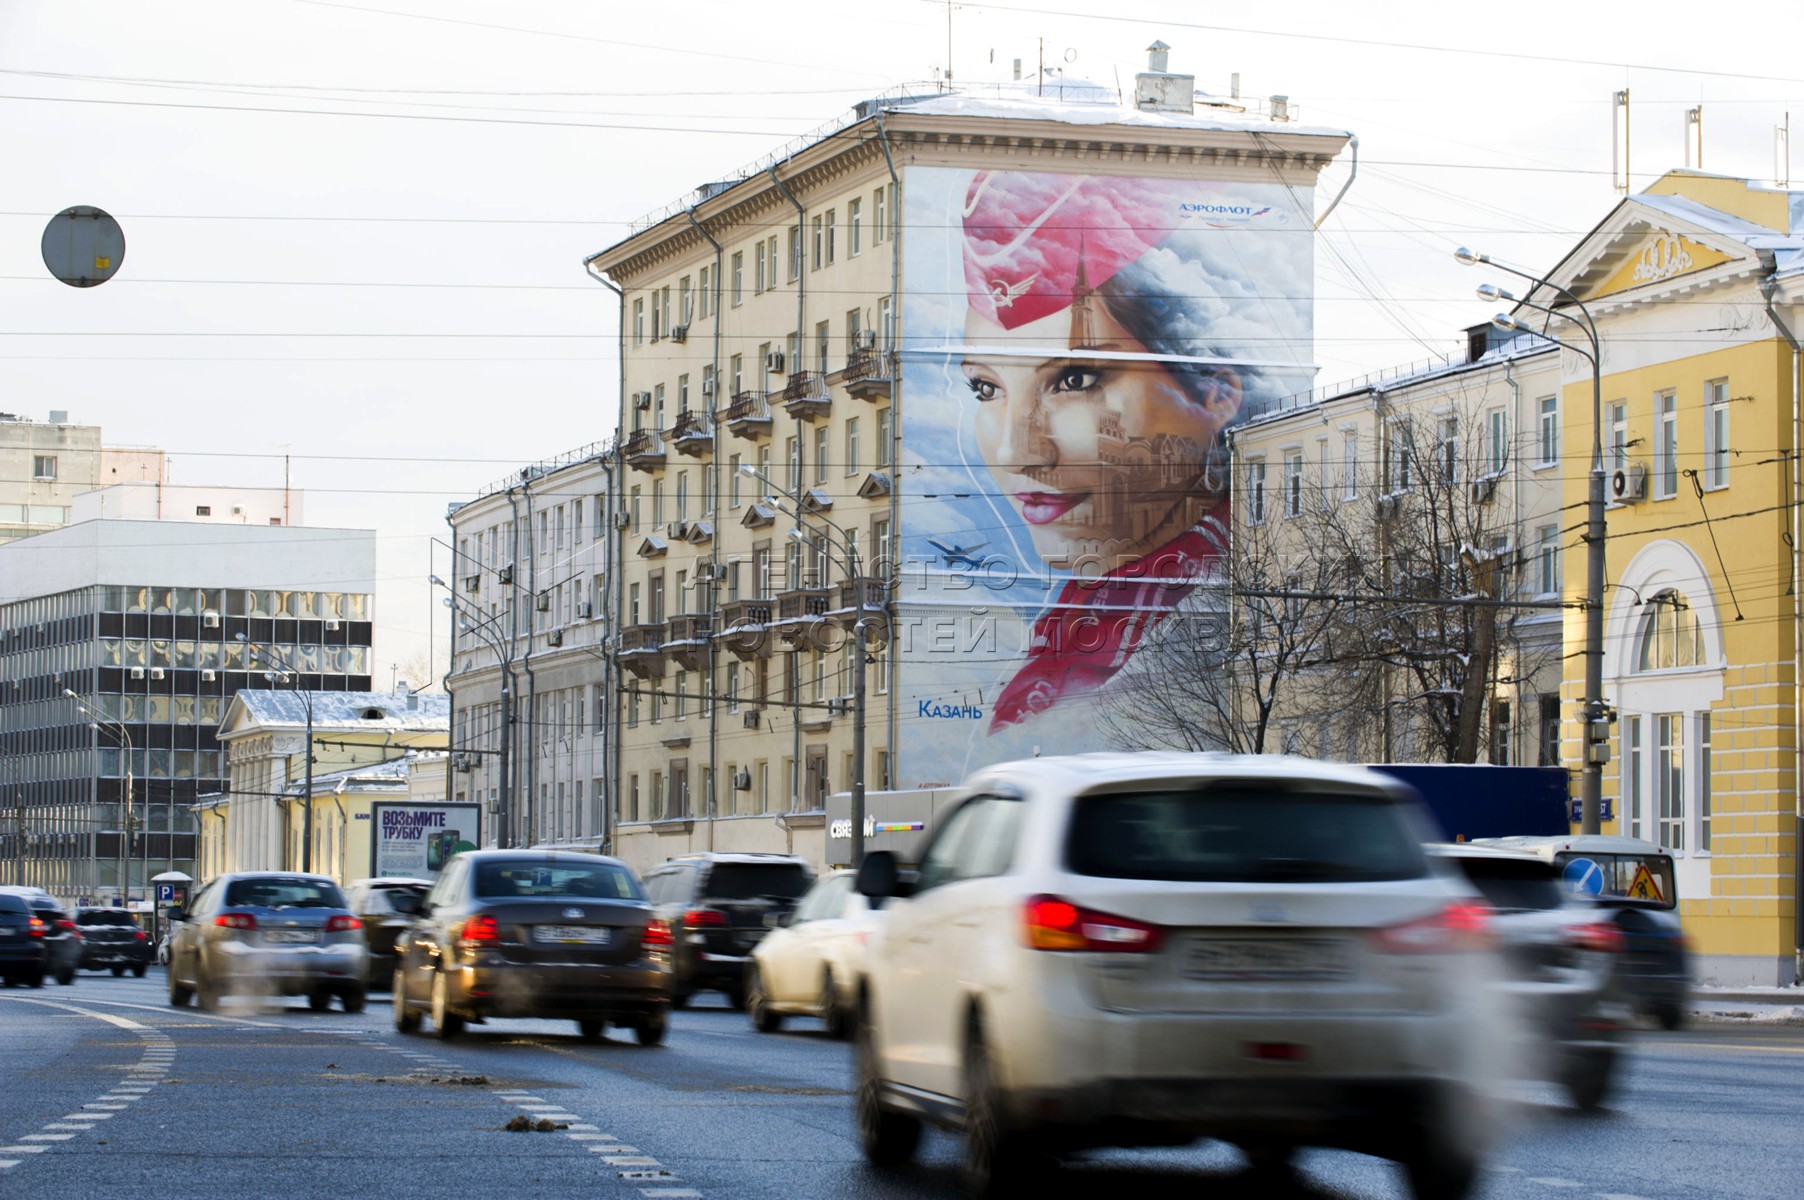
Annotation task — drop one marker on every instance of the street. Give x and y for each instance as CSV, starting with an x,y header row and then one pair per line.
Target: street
x,y
108,1091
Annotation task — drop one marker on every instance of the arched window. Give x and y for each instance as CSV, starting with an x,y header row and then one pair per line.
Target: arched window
x,y
1669,635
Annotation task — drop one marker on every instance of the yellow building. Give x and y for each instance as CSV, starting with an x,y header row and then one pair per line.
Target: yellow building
x,y
1694,285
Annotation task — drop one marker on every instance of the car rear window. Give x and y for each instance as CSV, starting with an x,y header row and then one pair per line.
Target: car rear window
x,y
106,916
751,881
283,893
1510,883
14,904
583,881
1235,834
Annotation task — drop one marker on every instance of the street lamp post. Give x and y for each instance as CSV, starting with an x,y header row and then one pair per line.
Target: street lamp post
x,y
859,628
125,735
1596,733
264,656
505,658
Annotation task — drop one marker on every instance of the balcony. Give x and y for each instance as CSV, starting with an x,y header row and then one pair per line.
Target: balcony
x,y
693,434
865,597
687,639
869,374
801,615
642,650
643,450
805,396
748,416
745,628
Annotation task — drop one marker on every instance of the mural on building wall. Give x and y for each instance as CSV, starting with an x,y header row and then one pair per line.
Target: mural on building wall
x,y
1074,347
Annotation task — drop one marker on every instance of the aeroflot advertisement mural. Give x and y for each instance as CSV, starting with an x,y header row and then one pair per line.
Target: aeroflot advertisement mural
x,y
1073,348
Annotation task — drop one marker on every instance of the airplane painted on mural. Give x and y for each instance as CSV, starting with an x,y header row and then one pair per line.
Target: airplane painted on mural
x,y
955,555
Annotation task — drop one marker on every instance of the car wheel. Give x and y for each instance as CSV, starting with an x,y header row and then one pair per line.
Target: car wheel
x,y
999,1159
445,1023
139,970
406,1019
757,1004
1588,1079
833,1010
1268,1158
66,976
679,998
118,972
888,1139
736,996
1670,1016
1442,1159
352,999
35,979
206,992
178,995
319,1000
650,1028
591,1029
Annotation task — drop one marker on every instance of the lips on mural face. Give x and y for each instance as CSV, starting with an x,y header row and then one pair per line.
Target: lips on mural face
x,y
1100,456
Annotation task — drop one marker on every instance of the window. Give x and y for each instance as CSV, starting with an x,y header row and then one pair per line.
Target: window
x,y
758,269
657,406
43,466
881,548
832,236
1256,491
1666,446
703,279
1669,778
1670,635
770,253
823,346
662,324
682,496
1349,464
1547,574
732,685
1500,733
206,510
854,228
854,327
633,505
1550,732
685,301
1497,446
820,244
657,704
821,434
633,611
1448,457
879,217
1548,443
852,446
1619,435
886,323
885,434
1716,434
1293,483
795,253
576,522
1397,454
657,503
681,700
638,322
632,702
1704,782
734,478
736,373
1631,817
737,287
792,457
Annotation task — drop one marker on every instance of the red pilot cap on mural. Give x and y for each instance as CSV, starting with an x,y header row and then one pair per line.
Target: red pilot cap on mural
x,y
1027,234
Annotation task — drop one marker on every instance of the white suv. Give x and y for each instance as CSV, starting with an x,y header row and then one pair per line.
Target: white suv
x,y
1144,949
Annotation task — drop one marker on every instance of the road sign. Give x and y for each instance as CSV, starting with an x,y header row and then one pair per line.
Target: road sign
x,y
83,246
1606,809
1584,877
1643,887
165,893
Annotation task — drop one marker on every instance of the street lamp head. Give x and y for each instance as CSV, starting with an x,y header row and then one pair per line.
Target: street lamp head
x,y
1469,258
435,579
798,535
1490,291
70,694
240,637
446,601
747,469
1508,323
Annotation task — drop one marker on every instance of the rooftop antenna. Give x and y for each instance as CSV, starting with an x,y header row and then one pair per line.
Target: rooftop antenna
x,y
1619,141
1694,119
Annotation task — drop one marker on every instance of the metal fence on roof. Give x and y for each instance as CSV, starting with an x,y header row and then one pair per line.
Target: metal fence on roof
x,y
546,466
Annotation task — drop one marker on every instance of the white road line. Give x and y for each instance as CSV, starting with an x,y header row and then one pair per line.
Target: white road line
x,y
630,1160
89,1116
46,1137
9,1162
68,1125
1554,1181
591,1137
671,1193
23,1149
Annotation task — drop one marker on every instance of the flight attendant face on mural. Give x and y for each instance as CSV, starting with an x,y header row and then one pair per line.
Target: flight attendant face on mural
x,y
1105,458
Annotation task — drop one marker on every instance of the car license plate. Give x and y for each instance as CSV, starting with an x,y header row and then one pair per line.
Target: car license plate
x,y
290,937
1254,959
571,935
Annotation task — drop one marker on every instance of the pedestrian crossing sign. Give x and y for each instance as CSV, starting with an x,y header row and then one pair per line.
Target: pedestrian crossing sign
x,y
1643,887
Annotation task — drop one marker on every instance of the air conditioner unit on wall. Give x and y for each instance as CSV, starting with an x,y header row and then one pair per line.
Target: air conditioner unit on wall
x,y
707,387
585,610
209,620
1484,490
554,638
543,602
505,575
641,399
866,340
137,672
1628,483
679,334
331,624
1387,507
472,582
621,520
676,531
751,718
774,361
208,677
742,781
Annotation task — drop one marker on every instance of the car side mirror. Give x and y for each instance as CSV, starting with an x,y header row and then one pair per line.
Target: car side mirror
x,y
880,875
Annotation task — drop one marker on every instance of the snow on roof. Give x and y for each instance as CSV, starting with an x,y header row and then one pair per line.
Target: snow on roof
x,y
1100,106
1715,220
388,711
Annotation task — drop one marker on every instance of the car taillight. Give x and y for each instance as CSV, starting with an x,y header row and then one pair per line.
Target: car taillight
x,y
1463,925
142,936
657,934
37,927
67,926
342,924
236,920
698,918
1597,935
1049,923
481,930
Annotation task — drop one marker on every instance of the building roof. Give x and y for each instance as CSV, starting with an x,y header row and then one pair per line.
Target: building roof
x,y
387,712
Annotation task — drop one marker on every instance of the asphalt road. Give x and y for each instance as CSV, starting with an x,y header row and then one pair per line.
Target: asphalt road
x,y
106,1091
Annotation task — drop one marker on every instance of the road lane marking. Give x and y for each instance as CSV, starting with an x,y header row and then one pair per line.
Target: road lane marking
x,y
9,1162
46,1137
671,1193
23,1149
1554,1181
89,1116
1655,1048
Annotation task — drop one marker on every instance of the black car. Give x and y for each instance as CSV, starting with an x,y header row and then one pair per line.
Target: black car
x,y
61,939
386,907
535,934
23,952
111,938
718,907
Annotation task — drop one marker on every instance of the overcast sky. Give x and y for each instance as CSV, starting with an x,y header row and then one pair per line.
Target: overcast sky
x,y
355,231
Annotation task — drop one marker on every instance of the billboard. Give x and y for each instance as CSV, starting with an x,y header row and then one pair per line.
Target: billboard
x,y
415,841
1074,348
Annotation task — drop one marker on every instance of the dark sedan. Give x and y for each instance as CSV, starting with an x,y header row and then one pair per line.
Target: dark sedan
x,y
536,934
386,907
113,939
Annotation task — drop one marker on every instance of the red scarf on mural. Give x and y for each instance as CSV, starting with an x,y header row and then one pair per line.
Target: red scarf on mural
x,y
1095,625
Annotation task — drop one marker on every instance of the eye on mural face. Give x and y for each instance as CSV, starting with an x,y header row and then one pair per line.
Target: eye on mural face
x,y
1100,457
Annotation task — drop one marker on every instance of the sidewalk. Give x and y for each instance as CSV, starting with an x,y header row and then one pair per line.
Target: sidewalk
x,y
1752,1005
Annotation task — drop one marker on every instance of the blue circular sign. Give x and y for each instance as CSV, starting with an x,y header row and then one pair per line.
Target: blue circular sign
x,y
1584,877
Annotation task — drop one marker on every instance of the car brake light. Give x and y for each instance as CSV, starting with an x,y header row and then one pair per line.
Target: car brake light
x,y
657,934
37,927
142,936
236,920
342,924
1462,925
67,926
1597,935
1049,923
697,918
481,930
